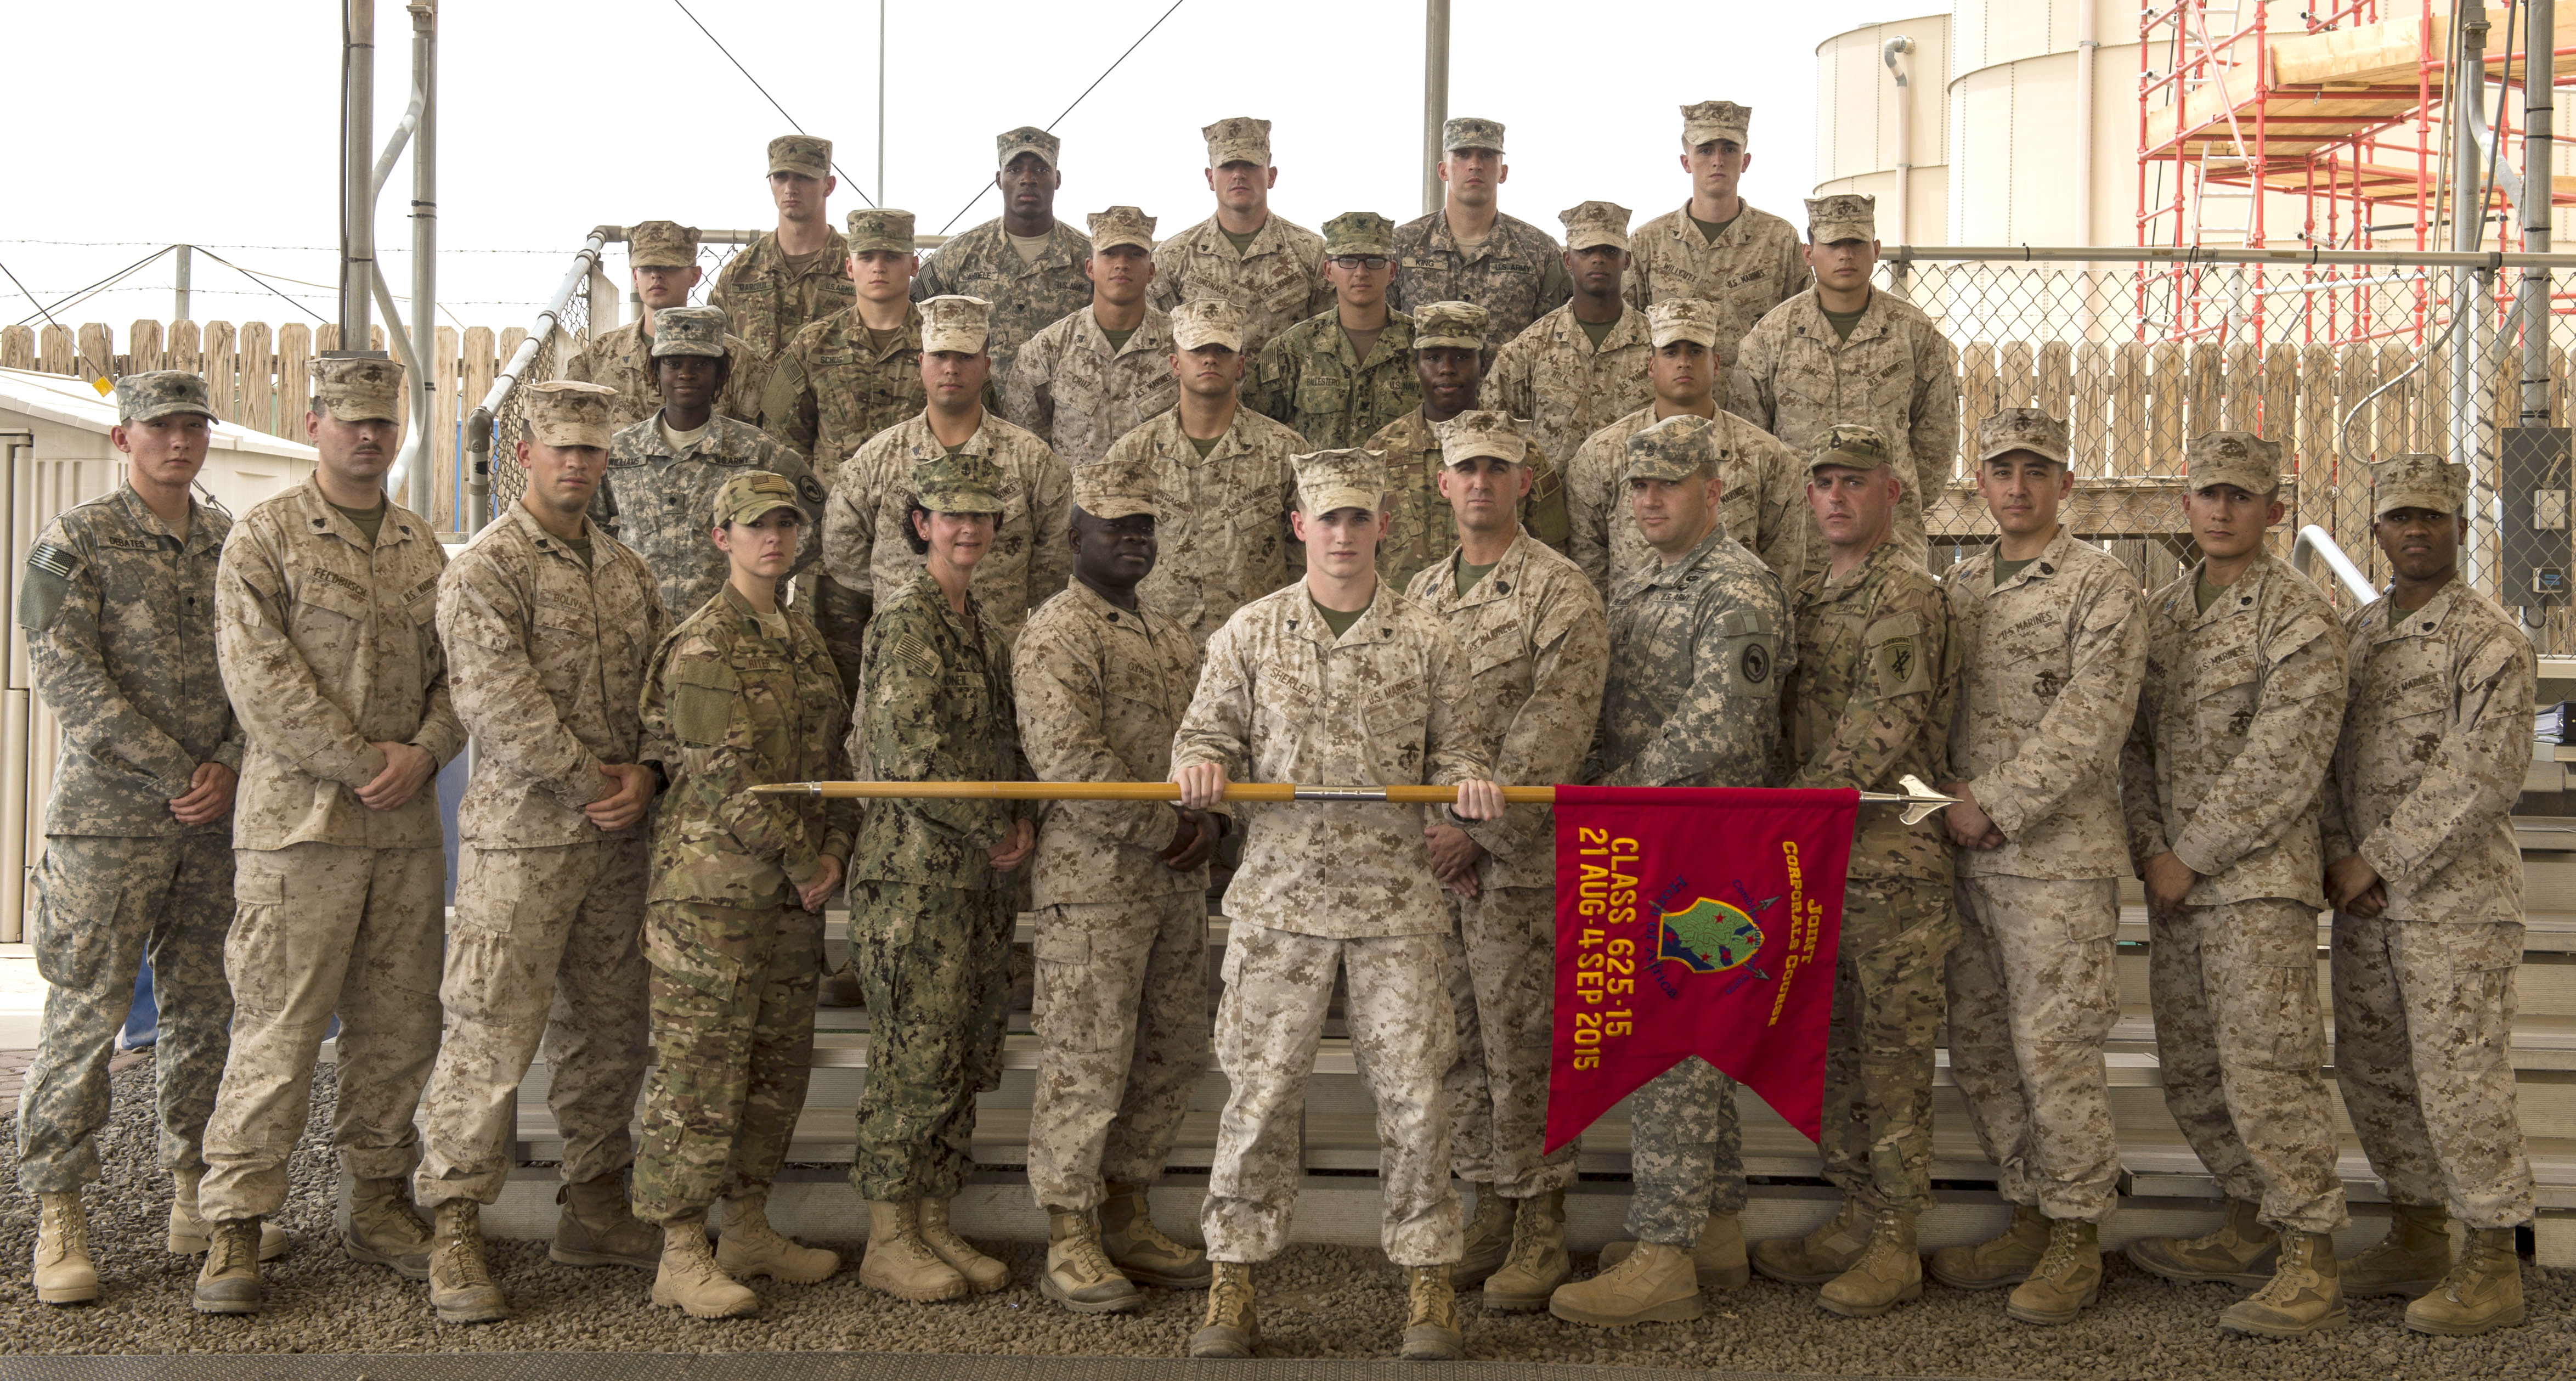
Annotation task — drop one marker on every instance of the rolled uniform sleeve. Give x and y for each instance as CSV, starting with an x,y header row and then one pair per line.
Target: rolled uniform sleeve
x,y
1218,727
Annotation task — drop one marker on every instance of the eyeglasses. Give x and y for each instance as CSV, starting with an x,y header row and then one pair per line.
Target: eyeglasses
x,y
1355,262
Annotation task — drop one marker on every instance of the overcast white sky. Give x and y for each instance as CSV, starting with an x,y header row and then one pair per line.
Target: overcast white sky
x,y
216,124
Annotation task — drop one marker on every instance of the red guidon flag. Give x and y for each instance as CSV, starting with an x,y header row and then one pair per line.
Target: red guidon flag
x,y
1695,921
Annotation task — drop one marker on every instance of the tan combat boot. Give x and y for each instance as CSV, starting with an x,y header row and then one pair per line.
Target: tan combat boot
x,y
1139,1250
2241,1252
899,1263
1078,1274
385,1230
1820,1255
596,1228
1887,1273
188,1233
2411,1260
1488,1239
63,1272
1431,1332
689,1280
1537,1263
1233,1326
1653,1282
229,1281
1997,1261
460,1284
1719,1257
748,1246
2067,1278
982,1272
2483,1292
2303,1296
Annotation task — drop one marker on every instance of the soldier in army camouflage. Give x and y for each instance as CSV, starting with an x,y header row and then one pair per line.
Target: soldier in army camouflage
x,y
1842,351
1338,376
664,472
325,603
1582,366
856,372
547,623
1741,260
1699,643
930,896
2219,781
1096,375
1222,479
797,273
2052,647
2426,883
1336,678
1537,646
662,264
1025,262
1262,263
1102,677
1448,365
1468,250
117,604
1868,705
1762,487
740,694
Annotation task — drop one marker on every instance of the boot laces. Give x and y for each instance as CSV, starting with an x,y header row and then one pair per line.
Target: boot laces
x,y
2064,1240
1527,1250
232,1246
465,1260
1142,1232
64,1221
1089,1258
1229,1296
1430,1300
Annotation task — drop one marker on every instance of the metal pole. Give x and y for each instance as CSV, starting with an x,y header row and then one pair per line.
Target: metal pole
x,y
881,31
357,181
2540,71
1435,97
424,246
2468,213
186,260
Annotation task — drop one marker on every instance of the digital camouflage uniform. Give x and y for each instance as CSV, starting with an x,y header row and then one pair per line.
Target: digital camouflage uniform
x,y
1222,519
1537,645
1077,394
1517,273
622,359
546,659
1761,501
731,700
1421,529
329,646
1121,1010
2050,663
1278,279
1027,298
864,547
832,388
1552,375
119,616
1309,378
1752,265
1697,651
767,302
2424,778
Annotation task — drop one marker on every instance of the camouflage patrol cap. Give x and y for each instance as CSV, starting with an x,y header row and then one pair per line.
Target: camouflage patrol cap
x,y
661,245
967,482
880,227
1028,139
2022,429
1359,232
1676,448
752,495
1456,325
1238,139
1670,319
2417,481
2239,458
1484,432
1849,445
1596,223
1121,225
1114,489
689,331
802,154
1469,132
161,393
1208,321
1352,477
955,323
567,412
354,388
1842,216
1713,120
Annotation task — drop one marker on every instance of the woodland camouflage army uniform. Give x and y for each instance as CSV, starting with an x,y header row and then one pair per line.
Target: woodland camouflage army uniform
x,y
1421,529
2235,726
1761,500
1277,279
1516,273
1752,266
2425,774
329,645
120,621
1309,377
1283,699
733,699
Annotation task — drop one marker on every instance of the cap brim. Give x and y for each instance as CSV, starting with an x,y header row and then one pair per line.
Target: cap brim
x,y
1339,497
1448,343
1230,340
154,414
1115,508
961,501
2443,504
1593,239
690,349
1701,334
1145,245
1987,453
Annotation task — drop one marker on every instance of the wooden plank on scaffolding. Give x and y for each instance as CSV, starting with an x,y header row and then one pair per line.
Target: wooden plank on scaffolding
x,y
442,432
2013,367
2092,415
294,378
258,365
2164,406
143,349
222,391
2128,423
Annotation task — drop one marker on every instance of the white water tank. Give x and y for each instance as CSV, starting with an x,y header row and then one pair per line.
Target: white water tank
x,y
1859,129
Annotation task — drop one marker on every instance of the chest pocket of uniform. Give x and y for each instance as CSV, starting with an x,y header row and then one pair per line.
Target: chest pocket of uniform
x,y
702,702
2230,688
1322,392
1895,651
326,605
1396,718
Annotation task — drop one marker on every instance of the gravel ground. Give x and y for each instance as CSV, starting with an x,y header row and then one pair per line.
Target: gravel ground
x,y
1317,1302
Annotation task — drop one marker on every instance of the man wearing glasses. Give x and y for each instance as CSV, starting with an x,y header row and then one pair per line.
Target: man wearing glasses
x,y
1338,376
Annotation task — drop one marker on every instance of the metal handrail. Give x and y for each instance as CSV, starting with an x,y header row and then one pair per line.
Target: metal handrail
x,y
2314,544
2215,255
478,424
